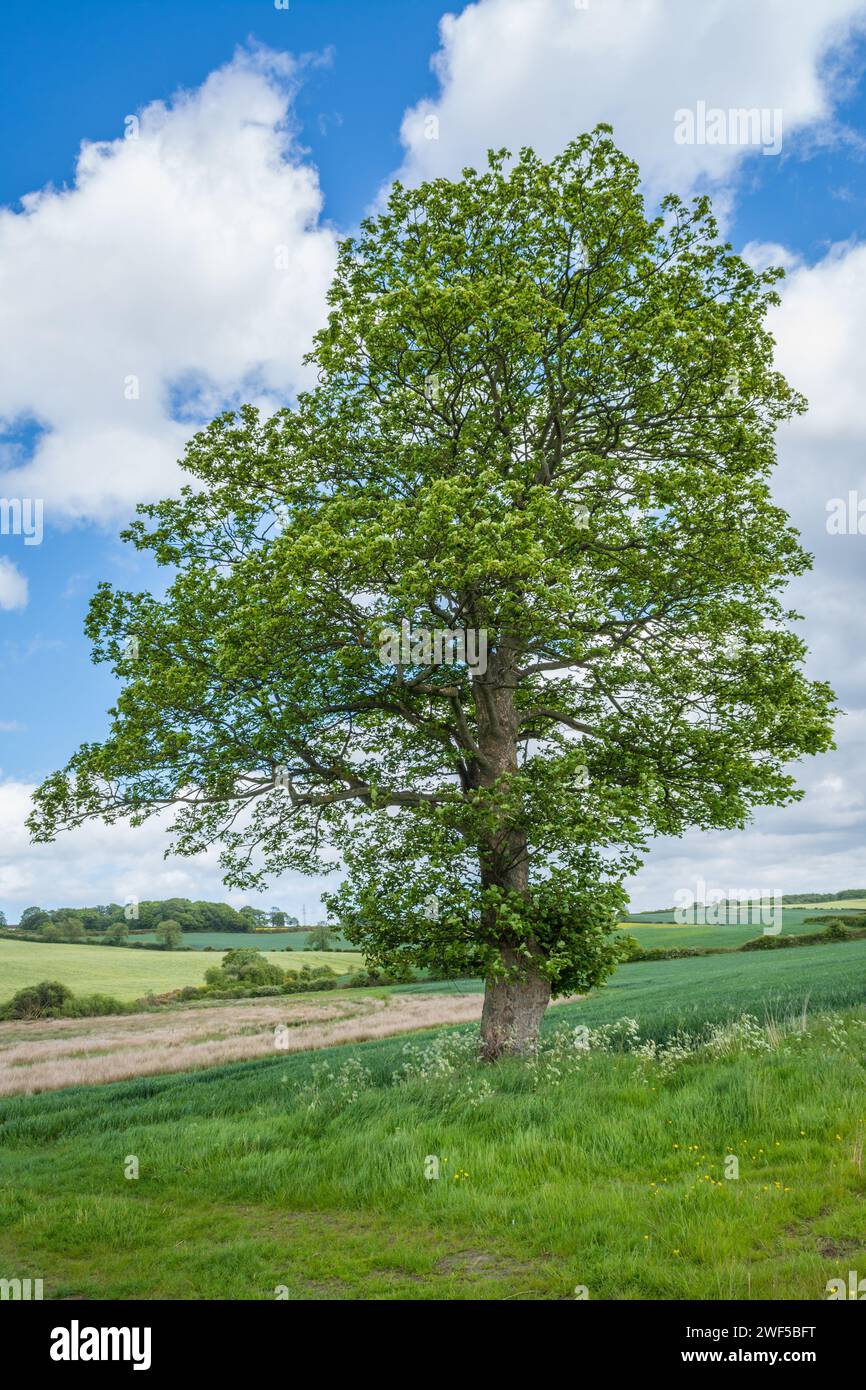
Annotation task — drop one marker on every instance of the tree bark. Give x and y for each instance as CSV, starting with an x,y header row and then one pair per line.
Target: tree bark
x,y
514,1008
512,1015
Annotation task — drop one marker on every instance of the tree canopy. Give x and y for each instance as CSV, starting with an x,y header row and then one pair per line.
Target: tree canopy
x,y
542,419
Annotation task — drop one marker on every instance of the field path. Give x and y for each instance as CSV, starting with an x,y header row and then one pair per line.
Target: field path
x,y
53,1053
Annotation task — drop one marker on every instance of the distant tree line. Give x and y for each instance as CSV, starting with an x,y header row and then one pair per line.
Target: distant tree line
x,y
117,919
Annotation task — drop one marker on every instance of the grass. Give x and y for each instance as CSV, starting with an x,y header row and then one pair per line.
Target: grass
x,y
280,1175
305,1173
128,974
795,921
262,941
668,995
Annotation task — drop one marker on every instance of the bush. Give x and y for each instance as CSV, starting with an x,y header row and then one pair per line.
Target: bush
x,y
629,946
44,1000
93,1006
772,943
243,967
835,930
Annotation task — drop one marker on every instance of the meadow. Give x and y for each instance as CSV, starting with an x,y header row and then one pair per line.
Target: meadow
x,y
403,1169
700,1136
127,974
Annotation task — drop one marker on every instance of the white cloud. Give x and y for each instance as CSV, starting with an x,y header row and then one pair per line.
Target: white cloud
x,y
161,265
821,341
13,586
515,72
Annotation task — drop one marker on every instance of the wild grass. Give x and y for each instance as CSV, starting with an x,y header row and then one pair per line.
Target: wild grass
x,y
599,1165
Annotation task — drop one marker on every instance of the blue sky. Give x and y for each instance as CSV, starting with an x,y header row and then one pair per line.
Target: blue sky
x,y
292,124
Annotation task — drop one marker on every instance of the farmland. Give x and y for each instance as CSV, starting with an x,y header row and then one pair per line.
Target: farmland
x,y
308,1176
304,1171
660,929
262,941
128,974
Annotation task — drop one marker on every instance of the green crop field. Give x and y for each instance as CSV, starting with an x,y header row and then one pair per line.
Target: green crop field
x,y
671,994
659,929
128,974
309,1175
262,941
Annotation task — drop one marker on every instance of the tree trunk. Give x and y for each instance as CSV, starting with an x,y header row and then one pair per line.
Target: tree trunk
x,y
512,1015
514,1008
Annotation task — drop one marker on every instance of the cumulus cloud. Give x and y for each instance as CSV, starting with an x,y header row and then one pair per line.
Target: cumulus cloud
x,y
186,268
13,586
515,72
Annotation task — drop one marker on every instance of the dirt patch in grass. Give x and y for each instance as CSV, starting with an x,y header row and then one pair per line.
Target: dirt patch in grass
x,y
481,1264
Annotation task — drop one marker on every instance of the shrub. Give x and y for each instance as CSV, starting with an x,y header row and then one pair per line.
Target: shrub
x,y
835,930
44,1000
629,946
92,1006
770,943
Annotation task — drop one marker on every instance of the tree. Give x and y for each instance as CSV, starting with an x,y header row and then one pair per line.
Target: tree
x,y
48,999
277,917
2,919
72,929
169,934
320,938
499,598
252,917
33,917
247,966
117,934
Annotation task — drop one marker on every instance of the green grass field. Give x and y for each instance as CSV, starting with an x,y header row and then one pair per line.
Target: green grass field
x,y
603,1172
793,918
654,930
305,1173
262,941
671,994
127,974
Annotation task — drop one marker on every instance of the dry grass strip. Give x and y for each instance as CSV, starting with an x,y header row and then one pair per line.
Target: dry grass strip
x,y
53,1053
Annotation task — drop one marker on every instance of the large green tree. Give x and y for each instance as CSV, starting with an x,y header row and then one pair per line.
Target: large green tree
x,y
542,417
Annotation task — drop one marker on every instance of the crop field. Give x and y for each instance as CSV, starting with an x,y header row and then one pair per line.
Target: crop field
x,y
49,1054
262,941
837,905
127,974
792,917
669,995
658,930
